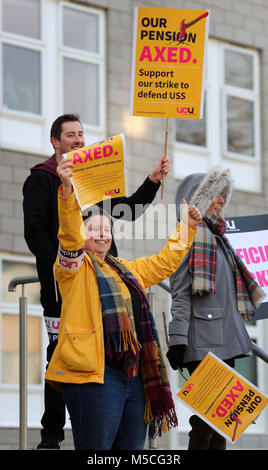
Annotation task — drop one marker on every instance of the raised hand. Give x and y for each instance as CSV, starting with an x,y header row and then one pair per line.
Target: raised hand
x,y
190,214
64,170
161,168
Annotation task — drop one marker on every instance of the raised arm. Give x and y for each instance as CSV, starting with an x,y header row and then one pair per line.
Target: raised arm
x,y
71,232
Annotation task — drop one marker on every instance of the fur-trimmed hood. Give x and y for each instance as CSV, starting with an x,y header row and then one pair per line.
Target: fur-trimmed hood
x,y
201,189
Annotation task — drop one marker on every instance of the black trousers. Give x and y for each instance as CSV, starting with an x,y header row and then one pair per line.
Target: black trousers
x,y
53,419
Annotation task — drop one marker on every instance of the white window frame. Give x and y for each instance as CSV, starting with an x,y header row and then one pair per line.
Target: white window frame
x,y
244,93
192,158
26,43
92,132
11,116
27,132
88,58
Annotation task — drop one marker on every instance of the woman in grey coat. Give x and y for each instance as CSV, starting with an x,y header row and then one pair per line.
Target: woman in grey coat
x,y
212,293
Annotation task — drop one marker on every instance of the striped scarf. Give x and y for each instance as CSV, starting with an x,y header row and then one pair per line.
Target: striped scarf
x,y
202,265
121,342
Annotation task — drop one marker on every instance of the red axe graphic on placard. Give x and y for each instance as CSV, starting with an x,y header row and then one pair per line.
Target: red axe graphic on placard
x,y
184,26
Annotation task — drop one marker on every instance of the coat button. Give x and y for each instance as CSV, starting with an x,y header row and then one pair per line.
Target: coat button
x,y
209,315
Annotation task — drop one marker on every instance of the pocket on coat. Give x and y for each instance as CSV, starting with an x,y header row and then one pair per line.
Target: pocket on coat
x,y
208,326
78,351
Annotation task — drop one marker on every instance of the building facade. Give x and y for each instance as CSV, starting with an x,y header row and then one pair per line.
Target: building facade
x,y
75,56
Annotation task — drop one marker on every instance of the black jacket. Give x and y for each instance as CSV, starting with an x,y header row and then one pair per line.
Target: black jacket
x,y
40,206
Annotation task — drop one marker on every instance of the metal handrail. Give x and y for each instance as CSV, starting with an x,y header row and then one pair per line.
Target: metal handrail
x,y
165,285
22,280
259,352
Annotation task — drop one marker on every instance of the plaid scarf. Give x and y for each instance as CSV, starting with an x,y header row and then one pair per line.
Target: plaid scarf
x,y
121,342
202,265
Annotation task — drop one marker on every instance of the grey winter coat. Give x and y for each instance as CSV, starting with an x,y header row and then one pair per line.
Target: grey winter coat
x,y
211,322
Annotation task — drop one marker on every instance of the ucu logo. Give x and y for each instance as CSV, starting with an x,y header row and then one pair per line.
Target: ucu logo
x,y
187,389
230,224
110,192
185,110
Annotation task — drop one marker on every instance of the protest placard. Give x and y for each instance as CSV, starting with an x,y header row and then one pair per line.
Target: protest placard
x,y
98,171
168,62
223,398
249,237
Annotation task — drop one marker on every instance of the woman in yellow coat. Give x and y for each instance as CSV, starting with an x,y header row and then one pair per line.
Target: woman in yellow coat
x,y
108,361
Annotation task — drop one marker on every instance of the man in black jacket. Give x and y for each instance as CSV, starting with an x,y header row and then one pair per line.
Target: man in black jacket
x,y
41,224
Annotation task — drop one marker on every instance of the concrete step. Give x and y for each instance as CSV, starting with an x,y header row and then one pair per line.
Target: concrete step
x,y
10,438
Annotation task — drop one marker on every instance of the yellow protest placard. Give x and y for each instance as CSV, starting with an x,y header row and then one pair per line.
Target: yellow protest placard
x,y
169,52
98,171
222,397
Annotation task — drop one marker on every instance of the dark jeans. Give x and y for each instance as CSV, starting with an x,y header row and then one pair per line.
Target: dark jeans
x,y
202,436
53,420
107,416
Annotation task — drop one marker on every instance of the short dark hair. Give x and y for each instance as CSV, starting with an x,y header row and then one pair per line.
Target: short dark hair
x,y
56,129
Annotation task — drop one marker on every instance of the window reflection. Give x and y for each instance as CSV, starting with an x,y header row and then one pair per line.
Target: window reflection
x,y
192,131
10,349
240,125
84,77
247,367
80,30
238,69
21,79
22,17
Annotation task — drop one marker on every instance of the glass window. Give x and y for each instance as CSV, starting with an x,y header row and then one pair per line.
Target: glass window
x,y
82,76
239,91
11,269
21,79
82,63
229,135
240,126
247,367
22,17
41,42
238,69
80,30
10,349
192,131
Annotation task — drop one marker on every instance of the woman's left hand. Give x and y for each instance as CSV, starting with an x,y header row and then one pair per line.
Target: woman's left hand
x,y
190,215
64,170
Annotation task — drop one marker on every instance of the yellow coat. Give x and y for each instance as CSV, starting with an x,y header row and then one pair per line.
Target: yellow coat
x,y
79,354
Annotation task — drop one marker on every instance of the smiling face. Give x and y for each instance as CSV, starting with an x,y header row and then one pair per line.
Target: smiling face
x,y
216,205
98,235
71,138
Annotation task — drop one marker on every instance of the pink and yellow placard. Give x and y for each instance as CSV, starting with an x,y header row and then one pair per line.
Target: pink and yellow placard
x,y
168,63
